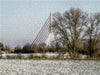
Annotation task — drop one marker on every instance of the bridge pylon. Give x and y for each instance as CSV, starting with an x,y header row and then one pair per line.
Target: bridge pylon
x,y
45,33
51,32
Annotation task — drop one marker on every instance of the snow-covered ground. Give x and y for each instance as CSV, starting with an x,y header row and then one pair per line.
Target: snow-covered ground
x,y
47,55
49,67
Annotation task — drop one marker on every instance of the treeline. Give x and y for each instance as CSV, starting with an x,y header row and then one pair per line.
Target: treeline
x,y
29,48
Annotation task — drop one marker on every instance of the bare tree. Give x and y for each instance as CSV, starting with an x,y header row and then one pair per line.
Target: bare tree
x,y
28,48
18,49
93,33
69,28
1,46
8,49
42,48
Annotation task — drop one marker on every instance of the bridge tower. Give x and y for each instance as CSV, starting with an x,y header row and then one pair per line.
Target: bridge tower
x,y
51,32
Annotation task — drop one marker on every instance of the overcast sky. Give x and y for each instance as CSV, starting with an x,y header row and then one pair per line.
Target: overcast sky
x,y
21,20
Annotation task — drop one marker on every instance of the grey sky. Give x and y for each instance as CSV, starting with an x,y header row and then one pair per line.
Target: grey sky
x,y
21,20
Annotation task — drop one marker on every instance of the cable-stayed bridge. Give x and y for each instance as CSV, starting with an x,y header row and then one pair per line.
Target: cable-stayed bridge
x,y
45,33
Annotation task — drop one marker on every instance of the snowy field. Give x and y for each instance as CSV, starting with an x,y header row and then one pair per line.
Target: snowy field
x,y
49,67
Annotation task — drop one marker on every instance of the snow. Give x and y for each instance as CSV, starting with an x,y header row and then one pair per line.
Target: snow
x,y
49,67
48,55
